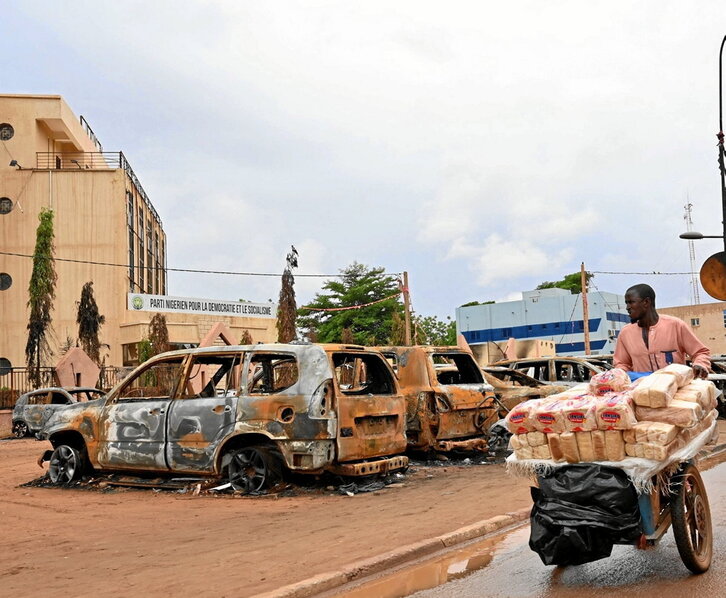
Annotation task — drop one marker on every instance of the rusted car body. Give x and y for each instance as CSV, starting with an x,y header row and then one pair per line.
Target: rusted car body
x,y
34,408
512,386
566,371
449,405
245,412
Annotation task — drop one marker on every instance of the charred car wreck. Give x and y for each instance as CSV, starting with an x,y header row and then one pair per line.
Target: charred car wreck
x,y
244,413
449,405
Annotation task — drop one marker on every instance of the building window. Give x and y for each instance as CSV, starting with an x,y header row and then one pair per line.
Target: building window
x,y
6,281
695,322
132,240
6,132
6,205
5,366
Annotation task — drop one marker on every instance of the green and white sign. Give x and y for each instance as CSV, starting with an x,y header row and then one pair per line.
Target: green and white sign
x,y
189,305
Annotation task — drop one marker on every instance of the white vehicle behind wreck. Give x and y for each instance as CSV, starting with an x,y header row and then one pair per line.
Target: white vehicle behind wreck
x,y
244,413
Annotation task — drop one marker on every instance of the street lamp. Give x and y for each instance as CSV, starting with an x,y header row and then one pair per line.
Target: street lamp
x,y
713,271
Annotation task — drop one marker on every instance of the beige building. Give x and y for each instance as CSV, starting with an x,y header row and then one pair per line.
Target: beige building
x,y
106,231
707,320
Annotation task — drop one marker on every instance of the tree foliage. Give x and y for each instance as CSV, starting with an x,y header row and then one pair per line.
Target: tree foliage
x,y
571,282
41,294
246,338
430,330
158,334
472,303
286,306
89,323
358,285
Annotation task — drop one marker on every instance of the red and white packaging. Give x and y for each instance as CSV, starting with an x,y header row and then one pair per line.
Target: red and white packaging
x,y
580,414
520,419
548,417
615,380
615,412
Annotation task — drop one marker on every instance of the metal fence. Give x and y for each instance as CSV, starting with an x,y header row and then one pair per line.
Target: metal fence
x,y
17,381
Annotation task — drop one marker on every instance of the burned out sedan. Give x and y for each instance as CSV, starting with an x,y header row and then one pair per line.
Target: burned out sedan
x,y
512,386
244,413
449,404
34,408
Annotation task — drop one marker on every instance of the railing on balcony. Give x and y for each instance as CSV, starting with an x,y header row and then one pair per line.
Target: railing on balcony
x,y
87,161
91,135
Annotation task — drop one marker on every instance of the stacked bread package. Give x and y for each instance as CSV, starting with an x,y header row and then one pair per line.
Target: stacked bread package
x,y
610,419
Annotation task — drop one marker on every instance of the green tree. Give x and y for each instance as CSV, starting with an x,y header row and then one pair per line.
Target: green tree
x,y
158,334
286,306
571,282
472,303
41,294
89,323
357,286
430,330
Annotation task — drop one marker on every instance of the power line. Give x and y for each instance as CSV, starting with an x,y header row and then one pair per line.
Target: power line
x,y
192,270
646,273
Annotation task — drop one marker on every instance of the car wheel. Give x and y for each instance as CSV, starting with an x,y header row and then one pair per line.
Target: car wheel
x,y
254,468
66,465
20,429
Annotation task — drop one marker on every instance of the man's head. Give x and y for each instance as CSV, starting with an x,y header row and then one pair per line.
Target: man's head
x,y
639,301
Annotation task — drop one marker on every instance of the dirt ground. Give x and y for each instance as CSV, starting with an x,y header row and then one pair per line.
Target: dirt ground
x,y
70,542
130,542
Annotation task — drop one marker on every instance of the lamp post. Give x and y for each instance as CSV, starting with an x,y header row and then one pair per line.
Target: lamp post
x,y
713,271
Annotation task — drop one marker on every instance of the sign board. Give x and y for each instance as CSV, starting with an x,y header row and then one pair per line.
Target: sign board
x,y
189,305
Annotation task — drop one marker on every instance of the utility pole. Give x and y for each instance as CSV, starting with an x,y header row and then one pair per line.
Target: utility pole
x,y
585,308
406,309
691,253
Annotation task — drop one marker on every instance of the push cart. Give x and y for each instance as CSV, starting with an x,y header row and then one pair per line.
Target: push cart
x,y
582,510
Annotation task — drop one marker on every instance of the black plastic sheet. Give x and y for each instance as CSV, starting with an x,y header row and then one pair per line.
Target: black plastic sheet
x,y
580,511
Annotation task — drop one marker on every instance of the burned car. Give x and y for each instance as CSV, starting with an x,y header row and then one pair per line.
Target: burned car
x,y
449,405
245,414
512,386
566,371
34,408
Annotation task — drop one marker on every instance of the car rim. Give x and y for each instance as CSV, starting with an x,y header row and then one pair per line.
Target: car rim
x,y
20,429
696,518
63,465
247,470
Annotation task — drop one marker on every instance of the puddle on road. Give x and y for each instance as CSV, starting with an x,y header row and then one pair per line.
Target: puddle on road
x,y
453,565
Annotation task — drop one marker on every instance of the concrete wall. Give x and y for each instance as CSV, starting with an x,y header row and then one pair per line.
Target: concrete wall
x,y
707,321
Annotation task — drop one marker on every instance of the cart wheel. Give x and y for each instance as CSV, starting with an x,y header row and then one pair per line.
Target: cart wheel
x,y
691,518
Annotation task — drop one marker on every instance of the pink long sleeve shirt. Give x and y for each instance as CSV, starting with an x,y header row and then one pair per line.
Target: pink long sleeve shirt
x,y
669,341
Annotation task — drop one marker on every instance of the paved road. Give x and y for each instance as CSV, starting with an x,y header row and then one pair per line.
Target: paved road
x,y
515,571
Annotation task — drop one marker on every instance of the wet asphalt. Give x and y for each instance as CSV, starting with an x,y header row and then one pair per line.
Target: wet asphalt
x,y
509,569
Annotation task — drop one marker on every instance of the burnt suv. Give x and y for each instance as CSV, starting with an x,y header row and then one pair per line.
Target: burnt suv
x,y
244,413
449,405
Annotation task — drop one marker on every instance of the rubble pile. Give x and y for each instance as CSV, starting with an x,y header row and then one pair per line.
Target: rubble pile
x,y
611,418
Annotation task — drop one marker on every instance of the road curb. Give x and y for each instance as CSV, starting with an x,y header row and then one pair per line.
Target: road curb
x,y
324,582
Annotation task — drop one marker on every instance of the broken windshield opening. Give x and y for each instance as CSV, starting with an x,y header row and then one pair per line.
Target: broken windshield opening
x,y
456,368
362,374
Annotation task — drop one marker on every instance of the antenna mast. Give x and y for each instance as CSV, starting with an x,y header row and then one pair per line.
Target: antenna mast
x,y
691,253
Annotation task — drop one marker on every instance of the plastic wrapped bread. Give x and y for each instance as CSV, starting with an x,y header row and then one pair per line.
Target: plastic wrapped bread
x,y
568,444
651,432
683,414
536,439
689,434
615,412
520,419
683,373
580,414
656,452
524,453
585,446
702,392
615,380
614,445
598,445
541,452
553,441
656,390
548,417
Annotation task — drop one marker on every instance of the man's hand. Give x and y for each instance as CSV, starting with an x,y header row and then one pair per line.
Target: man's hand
x,y
699,371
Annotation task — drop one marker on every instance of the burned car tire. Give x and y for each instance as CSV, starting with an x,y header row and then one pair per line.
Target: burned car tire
x,y
20,429
254,468
66,465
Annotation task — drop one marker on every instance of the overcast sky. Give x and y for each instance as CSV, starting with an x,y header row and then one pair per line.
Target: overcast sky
x,y
484,147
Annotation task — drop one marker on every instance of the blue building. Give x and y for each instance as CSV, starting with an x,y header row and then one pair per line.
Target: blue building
x,y
547,314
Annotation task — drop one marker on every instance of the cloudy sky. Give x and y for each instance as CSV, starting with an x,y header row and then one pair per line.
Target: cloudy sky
x,y
484,147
